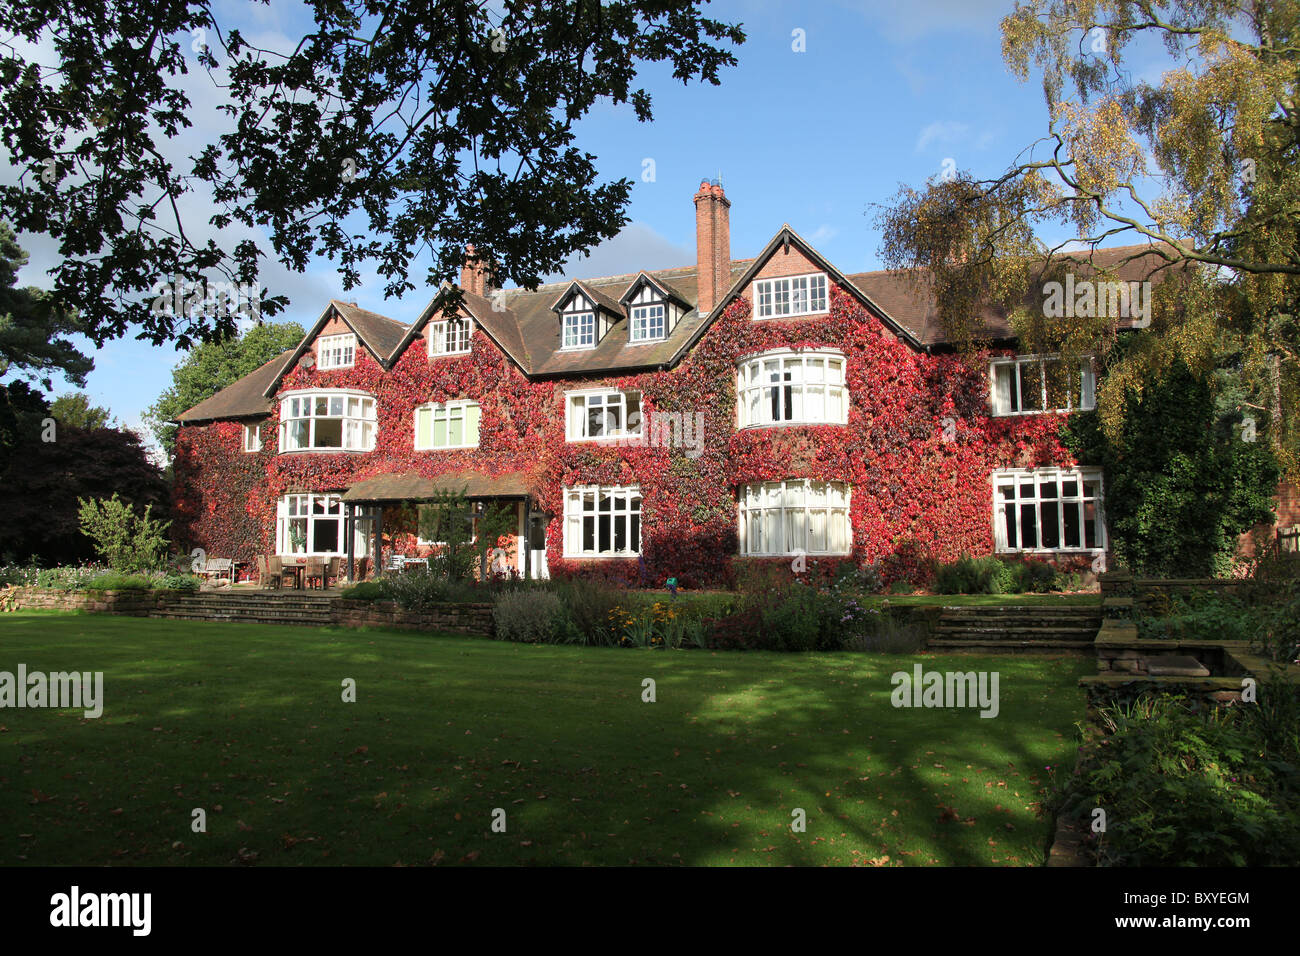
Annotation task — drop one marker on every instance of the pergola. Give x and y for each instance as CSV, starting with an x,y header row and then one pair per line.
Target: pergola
x,y
411,487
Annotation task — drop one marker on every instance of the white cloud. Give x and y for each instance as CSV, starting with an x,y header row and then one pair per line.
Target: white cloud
x,y
942,131
635,248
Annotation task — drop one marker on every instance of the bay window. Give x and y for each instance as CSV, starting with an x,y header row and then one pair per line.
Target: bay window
x,y
327,421
1031,383
795,517
450,425
1049,509
790,296
792,387
594,415
309,524
602,521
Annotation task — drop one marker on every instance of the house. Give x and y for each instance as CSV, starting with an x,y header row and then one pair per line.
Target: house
x,y
678,422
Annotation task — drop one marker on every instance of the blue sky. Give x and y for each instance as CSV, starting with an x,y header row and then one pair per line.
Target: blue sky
x,y
883,94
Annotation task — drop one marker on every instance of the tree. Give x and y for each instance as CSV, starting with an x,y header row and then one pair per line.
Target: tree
x,y
1185,476
210,367
43,480
127,542
1219,213
33,329
465,533
75,409
389,132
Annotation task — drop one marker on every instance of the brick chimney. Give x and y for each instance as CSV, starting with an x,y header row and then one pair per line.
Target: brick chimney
x,y
712,243
474,275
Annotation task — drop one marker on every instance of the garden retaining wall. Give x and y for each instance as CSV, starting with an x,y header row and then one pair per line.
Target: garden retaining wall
x,y
131,602
456,618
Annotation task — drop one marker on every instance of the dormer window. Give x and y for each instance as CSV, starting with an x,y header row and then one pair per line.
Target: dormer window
x,y
790,296
586,316
653,309
579,330
336,351
649,323
450,337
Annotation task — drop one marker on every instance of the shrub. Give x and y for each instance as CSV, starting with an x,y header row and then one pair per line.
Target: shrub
x,y
528,616
178,582
1202,616
1184,788
366,591
587,612
114,581
127,542
969,575
1029,576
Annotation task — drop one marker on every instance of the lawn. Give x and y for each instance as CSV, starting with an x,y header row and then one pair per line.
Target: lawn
x,y
247,722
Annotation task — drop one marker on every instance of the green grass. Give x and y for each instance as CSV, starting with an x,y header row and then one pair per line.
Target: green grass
x,y
246,721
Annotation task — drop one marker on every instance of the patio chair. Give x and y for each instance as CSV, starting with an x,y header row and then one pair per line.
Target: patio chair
x,y
333,571
263,575
395,562
315,572
275,571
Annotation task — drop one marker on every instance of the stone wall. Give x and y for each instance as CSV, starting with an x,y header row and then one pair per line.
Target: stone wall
x,y
1147,592
456,618
133,602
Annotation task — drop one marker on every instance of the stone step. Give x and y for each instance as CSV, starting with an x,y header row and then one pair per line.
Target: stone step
x,y
974,630
231,606
957,646
312,620
953,614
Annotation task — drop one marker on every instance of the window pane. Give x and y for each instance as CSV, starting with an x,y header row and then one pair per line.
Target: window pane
x,y
1031,387
1029,526
329,433
471,424
1004,390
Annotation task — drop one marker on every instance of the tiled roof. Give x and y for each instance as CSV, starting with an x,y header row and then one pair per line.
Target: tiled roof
x,y
525,326
243,399
409,486
911,304
379,332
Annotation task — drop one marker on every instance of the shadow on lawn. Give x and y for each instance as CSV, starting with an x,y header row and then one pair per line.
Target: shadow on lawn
x,y
445,730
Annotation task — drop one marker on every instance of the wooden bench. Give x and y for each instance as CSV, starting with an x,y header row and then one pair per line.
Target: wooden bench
x,y
218,568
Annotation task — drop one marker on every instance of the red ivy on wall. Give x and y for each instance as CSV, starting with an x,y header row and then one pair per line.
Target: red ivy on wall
x,y
915,495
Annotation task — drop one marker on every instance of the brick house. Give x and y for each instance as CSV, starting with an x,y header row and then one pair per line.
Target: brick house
x,y
679,422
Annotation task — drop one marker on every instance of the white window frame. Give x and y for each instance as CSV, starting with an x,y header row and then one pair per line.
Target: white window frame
x,y
582,325
641,318
336,351
786,510
756,390
301,508
1039,478
783,297
625,505
253,432
577,426
357,432
1014,402
446,340
448,411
